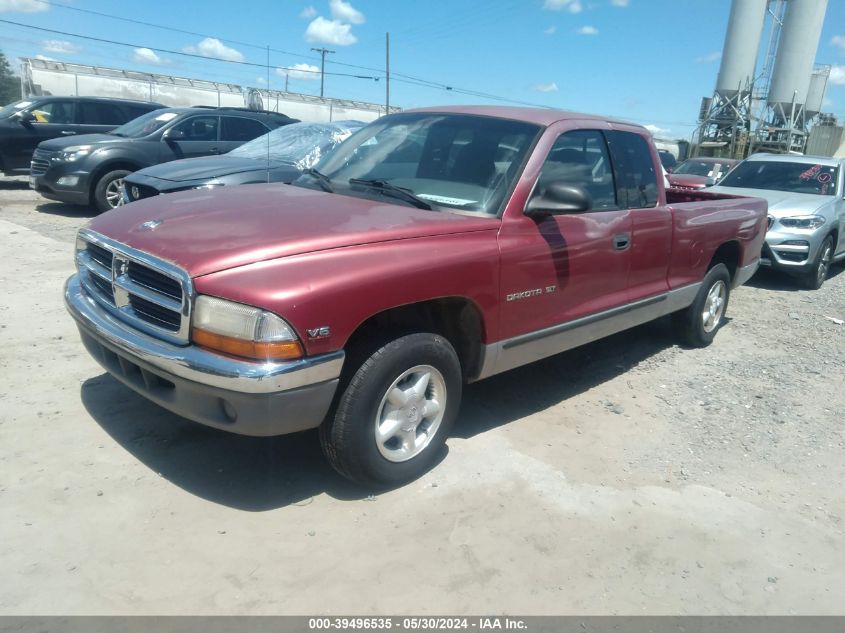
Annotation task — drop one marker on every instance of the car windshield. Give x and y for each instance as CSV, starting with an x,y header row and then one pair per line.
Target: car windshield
x,y
452,161
784,176
145,124
17,106
298,144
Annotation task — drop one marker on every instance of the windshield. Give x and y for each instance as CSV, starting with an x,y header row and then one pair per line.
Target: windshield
x,y
298,144
9,110
783,176
694,167
145,124
453,161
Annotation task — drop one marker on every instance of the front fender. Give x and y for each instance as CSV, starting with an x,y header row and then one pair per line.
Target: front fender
x,y
341,288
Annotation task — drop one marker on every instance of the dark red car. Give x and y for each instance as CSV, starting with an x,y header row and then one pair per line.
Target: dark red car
x,y
698,173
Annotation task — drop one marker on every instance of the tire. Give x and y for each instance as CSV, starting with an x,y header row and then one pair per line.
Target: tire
x,y
390,387
697,325
107,186
814,279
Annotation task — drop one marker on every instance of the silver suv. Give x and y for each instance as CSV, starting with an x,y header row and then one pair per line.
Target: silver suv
x,y
806,210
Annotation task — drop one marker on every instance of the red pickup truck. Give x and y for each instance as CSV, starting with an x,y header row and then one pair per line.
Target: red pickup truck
x,y
432,248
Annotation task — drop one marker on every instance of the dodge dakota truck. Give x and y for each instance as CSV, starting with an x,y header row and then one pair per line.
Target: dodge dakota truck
x,y
433,248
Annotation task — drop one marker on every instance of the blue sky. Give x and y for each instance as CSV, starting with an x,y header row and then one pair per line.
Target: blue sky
x,y
649,61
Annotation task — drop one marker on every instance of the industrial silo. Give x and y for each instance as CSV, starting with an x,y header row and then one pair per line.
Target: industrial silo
x,y
815,93
739,54
799,41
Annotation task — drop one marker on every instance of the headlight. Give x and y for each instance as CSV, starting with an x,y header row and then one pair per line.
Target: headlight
x,y
208,185
803,222
242,330
72,153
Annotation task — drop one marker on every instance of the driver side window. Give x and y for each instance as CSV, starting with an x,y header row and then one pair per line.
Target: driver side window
x,y
56,112
197,128
580,158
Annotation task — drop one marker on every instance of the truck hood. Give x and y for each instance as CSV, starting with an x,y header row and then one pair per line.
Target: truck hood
x,y
204,167
782,204
81,139
206,231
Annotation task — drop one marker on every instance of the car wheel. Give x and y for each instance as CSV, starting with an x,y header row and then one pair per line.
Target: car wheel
x,y
395,412
697,325
107,192
814,279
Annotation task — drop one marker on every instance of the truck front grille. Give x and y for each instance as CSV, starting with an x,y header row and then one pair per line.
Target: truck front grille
x,y
149,294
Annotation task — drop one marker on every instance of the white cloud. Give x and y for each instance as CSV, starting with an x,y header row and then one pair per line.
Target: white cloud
x,y
44,58
260,80
619,3
839,40
588,30
709,57
573,6
657,131
550,87
837,75
300,71
345,12
212,47
323,31
148,56
60,46
827,103
22,6
308,12
550,31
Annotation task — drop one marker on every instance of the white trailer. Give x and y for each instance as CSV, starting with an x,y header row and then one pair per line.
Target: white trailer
x,y
43,77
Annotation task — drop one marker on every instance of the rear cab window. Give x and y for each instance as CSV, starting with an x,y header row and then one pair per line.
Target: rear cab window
x,y
636,179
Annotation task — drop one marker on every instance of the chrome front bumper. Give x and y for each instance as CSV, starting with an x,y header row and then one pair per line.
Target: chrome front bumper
x,y
235,395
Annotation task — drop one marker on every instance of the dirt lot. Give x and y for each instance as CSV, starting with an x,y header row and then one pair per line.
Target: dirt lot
x,y
630,476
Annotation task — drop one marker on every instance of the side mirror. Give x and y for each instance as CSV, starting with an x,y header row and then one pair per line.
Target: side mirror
x,y
559,198
173,135
24,117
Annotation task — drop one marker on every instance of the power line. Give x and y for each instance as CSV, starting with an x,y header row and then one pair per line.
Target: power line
x,y
182,53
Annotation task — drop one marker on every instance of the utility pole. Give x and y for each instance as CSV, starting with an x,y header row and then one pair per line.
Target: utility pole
x,y
387,74
322,52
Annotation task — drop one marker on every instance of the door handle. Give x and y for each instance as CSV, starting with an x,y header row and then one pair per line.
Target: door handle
x,y
68,132
214,150
621,241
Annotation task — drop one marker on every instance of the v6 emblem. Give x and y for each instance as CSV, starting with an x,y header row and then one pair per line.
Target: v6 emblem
x,y
319,332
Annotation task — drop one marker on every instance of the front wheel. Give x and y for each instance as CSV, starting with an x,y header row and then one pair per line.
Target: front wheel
x,y
816,276
697,325
396,412
107,192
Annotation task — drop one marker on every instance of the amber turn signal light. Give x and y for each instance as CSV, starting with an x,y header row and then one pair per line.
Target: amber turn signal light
x,y
255,350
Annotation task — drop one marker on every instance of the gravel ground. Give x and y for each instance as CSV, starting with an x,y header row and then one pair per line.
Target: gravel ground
x,y
629,476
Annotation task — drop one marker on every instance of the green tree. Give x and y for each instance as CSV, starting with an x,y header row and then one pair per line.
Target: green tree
x,y
10,84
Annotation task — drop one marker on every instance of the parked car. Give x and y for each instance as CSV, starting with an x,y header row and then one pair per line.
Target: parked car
x,y
806,227
432,248
278,156
26,123
90,169
698,173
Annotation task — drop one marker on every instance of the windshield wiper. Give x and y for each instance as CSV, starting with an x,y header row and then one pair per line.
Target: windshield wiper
x,y
324,181
390,189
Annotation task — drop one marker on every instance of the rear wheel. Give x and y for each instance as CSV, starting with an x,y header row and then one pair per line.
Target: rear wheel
x,y
107,192
697,325
816,276
396,411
